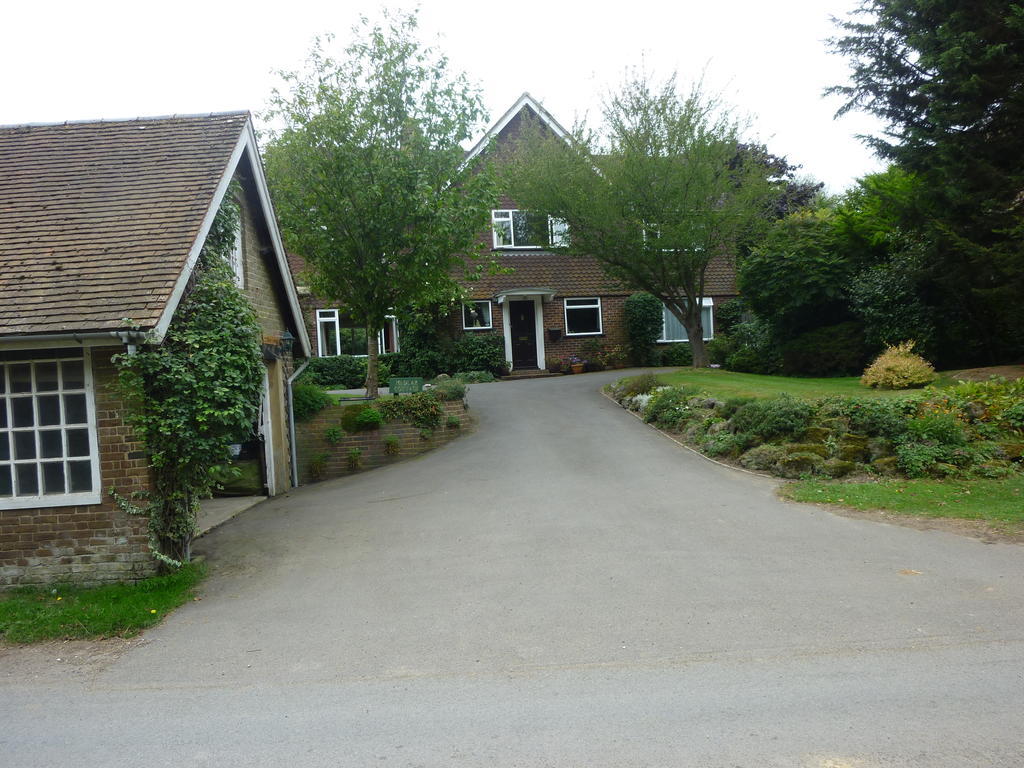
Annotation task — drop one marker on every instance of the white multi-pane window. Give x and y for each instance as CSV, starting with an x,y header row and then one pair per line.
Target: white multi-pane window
x,y
337,335
236,258
521,229
673,330
49,454
583,317
476,316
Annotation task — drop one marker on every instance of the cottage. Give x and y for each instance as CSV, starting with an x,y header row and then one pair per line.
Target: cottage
x,y
101,225
544,305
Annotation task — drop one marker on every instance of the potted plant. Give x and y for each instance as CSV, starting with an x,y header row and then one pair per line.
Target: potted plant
x,y
554,364
576,363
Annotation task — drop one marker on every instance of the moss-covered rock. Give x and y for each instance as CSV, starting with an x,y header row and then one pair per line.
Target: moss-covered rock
x,y
817,434
886,466
853,447
796,465
815,448
1013,449
880,448
762,457
943,469
838,425
838,467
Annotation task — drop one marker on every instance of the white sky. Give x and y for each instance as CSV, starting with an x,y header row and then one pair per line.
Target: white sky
x,y
110,59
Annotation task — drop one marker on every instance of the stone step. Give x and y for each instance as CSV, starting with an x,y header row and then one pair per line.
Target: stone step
x,y
528,374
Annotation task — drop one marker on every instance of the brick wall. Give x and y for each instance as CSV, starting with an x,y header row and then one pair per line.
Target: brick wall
x,y
88,544
311,441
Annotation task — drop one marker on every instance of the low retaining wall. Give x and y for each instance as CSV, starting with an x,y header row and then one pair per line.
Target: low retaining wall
x,y
319,460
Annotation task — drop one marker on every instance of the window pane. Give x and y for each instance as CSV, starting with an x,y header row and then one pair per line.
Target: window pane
x,y
674,330
353,341
74,409
80,476
3,379
21,377
46,377
24,445
706,322
3,412
477,314
6,486
502,229
5,446
558,233
527,230
53,477
583,320
22,413
74,374
78,442
51,444
28,482
329,337
49,409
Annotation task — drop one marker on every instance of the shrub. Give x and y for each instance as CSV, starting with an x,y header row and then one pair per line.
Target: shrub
x,y
678,353
339,372
334,435
874,417
726,444
475,377
452,422
425,362
613,356
636,385
449,389
308,400
643,315
940,428
355,458
426,434
752,349
668,406
899,368
421,409
775,417
729,314
719,349
392,445
833,350
318,465
367,419
478,352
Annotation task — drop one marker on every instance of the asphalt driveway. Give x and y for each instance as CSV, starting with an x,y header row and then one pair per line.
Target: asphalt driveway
x,y
563,587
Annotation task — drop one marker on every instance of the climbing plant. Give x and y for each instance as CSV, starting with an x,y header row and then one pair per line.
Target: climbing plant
x,y
193,393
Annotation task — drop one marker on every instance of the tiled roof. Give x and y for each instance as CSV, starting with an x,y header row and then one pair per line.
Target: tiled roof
x,y
579,276
97,218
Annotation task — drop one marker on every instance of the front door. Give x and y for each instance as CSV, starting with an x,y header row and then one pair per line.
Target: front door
x,y
523,328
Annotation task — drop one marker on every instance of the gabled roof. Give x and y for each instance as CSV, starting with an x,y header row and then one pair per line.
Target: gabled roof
x,y
104,220
524,101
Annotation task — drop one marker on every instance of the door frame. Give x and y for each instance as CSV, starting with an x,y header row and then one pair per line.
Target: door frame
x,y
538,315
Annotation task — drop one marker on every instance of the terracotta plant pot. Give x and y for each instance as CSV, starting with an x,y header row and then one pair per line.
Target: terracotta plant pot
x,y
577,368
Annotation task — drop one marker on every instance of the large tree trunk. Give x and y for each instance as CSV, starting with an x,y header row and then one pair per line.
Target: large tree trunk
x,y
698,348
371,360
694,330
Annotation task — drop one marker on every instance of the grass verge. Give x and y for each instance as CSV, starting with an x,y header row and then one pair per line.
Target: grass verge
x,y
725,384
999,502
33,614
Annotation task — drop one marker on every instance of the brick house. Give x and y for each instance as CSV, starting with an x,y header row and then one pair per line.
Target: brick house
x,y
101,226
542,304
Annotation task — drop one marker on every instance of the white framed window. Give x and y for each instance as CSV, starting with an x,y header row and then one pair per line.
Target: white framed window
x,y
583,317
236,258
337,335
49,451
476,316
673,330
514,228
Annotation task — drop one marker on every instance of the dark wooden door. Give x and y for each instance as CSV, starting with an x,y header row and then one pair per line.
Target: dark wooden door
x,y
523,326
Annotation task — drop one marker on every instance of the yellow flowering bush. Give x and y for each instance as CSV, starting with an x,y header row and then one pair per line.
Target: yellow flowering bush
x,y
899,368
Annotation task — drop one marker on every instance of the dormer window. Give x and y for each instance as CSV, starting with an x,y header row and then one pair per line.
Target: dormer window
x,y
235,258
522,229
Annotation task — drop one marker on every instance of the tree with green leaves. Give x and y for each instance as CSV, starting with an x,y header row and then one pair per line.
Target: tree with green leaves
x,y
655,194
947,77
368,174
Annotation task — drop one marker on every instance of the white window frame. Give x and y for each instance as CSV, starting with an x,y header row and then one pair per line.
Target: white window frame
x,y
95,496
327,316
709,331
490,317
595,305
558,229
236,258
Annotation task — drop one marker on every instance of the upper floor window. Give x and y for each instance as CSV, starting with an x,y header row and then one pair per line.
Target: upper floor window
x,y
236,258
673,330
476,316
49,454
522,229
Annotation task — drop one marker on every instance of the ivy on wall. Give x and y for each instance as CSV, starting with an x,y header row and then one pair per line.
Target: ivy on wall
x,y
196,392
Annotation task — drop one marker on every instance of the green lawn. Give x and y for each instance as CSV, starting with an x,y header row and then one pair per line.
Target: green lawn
x,y
32,614
994,501
724,384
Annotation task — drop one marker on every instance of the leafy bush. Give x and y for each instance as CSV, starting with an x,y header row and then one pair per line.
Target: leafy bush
x,y
939,428
449,389
421,409
899,368
668,407
355,458
729,314
392,445
874,417
775,417
996,402
833,350
308,400
720,348
727,444
752,349
367,419
339,372
1014,415
334,435
678,353
635,385
643,314
452,422
475,377
425,362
